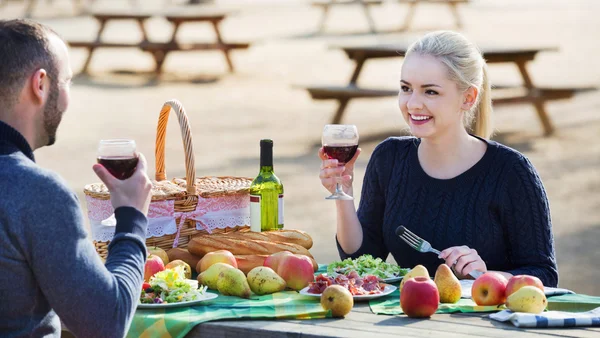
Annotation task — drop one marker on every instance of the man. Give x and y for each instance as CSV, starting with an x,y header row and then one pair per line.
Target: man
x,y
48,266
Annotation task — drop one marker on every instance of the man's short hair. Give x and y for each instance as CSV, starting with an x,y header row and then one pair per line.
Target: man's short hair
x,y
24,48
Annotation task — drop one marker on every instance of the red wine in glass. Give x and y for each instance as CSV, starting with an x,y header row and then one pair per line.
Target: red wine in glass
x,y
341,152
121,167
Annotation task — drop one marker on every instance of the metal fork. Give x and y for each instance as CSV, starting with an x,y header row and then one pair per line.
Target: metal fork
x,y
422,245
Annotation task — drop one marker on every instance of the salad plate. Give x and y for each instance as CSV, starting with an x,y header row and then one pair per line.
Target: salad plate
x,y
206,296
171,288
368,265
386,291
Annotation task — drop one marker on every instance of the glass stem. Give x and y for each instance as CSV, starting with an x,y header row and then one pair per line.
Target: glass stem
x,y
338,188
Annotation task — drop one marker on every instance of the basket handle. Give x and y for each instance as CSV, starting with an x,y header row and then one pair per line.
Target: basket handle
x,y
186,135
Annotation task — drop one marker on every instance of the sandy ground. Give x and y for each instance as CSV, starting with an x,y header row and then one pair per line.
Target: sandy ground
x,y
230,113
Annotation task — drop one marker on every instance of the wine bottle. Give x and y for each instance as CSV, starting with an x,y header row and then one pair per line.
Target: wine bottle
x,y
266,194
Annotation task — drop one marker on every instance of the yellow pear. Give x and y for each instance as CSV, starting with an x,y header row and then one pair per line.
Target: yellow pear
x,y
417,271
186,267
211,275
263,281
232,282
160,253
447,284
528,299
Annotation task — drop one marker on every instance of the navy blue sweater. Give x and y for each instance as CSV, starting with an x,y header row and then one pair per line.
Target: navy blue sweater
x,y
497,207
48,265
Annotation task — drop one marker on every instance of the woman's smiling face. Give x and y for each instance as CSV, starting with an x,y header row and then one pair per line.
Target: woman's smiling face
x,y
430,102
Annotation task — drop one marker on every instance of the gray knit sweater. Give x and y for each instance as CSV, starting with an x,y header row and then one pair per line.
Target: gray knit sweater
x,y
48,265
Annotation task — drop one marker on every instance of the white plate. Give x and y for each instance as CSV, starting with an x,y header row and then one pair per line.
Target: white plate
x,y
206,296
386,291
392,279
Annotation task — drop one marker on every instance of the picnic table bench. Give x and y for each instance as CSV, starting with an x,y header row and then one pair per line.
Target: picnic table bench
x,y
365,4
528,93
160,50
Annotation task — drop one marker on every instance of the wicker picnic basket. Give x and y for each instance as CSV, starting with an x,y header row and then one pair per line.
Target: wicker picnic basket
x,y
184,193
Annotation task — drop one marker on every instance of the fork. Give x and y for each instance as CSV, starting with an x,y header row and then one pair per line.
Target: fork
x,y
422,245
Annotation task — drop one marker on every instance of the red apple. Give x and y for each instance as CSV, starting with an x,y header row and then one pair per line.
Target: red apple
x,y
419,297
296,270
489,289
219,256
153,265
272,261
519,281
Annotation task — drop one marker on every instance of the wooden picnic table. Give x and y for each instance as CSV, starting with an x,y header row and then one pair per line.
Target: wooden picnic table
x,y
528,93
365,4
362,323
160,50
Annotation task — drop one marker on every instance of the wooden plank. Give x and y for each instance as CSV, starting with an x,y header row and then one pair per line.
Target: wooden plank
x,y
121,16
523,95
175,46
492,55
195,17
349,2
435,1
362,323
101,44
347,92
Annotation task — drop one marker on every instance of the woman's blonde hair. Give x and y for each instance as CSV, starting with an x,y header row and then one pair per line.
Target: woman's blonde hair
x,y
467,68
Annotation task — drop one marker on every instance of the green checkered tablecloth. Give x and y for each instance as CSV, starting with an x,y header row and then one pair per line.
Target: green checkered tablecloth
x,y
390,304
177,322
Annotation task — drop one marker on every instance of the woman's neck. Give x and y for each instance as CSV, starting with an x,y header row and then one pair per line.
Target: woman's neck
x,y
451,154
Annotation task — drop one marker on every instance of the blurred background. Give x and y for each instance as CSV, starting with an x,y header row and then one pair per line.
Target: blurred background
x,y
292,47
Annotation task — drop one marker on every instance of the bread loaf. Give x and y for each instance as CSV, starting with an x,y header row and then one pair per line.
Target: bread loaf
x,y
285,236
249,262
184,255
201,245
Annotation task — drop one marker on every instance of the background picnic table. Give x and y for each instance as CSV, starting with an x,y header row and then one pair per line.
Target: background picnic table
x,y
228,116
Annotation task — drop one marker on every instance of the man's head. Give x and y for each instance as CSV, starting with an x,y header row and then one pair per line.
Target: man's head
x,y
34,80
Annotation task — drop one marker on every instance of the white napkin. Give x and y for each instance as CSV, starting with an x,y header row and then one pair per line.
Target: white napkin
x,y
549,318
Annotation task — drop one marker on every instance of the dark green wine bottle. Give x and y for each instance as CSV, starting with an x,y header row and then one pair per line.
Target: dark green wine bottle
x,y
266,194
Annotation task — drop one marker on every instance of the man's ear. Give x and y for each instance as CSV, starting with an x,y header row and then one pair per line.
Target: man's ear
x,y
469,98
40,86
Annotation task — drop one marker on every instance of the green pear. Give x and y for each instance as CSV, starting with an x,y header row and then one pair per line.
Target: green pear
x,y
211,275
447,284
417,271
263,281
232,282
528,299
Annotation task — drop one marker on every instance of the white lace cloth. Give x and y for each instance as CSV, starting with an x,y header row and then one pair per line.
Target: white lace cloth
x,y
210,214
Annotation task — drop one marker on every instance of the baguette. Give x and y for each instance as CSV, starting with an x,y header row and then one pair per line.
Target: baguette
x,y
184,255
249,262
201,245
285,236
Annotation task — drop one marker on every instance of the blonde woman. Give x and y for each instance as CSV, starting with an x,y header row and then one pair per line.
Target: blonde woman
x,y
480,201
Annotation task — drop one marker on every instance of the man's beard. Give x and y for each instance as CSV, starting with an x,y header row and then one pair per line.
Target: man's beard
x,y
52,115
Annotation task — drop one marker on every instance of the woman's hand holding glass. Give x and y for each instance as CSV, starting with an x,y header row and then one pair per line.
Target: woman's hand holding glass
x,y
340,143
331,173
463,260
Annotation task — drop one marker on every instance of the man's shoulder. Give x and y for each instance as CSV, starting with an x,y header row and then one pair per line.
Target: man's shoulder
x,y
20,174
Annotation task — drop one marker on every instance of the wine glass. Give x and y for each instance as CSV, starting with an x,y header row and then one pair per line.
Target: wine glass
x,y
118,156
340,142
